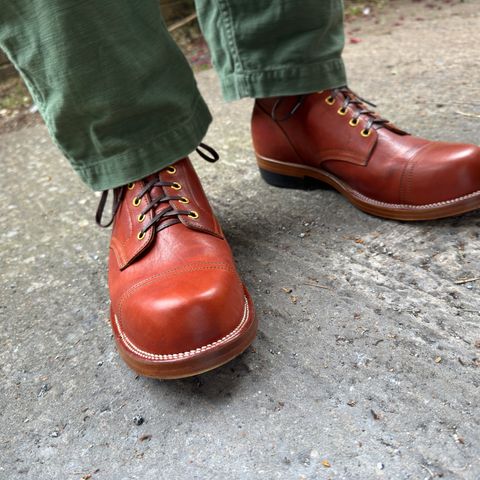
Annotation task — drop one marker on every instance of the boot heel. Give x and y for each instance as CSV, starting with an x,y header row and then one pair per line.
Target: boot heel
x,y
284,181
287,181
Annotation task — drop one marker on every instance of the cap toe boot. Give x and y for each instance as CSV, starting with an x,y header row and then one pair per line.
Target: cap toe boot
x,y
178,306
334,137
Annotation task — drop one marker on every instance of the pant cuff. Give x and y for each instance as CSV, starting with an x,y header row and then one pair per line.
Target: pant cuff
x,y
163,150
289,80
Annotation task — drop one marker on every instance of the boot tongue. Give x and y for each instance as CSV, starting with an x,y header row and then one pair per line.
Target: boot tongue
x,y
280,108
156,192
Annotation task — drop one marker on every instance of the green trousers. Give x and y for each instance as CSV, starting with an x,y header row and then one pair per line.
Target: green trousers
x,y
119,98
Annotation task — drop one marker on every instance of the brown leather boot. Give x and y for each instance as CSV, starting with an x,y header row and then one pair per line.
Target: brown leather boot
x,y
333,137
178,306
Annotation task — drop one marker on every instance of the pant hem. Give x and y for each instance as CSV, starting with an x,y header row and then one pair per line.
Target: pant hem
x,y
288,80
139,162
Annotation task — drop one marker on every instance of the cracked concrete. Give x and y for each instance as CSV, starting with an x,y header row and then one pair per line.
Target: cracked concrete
x,y
367,361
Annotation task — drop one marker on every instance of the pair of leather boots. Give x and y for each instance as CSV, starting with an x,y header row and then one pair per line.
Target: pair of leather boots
x,y
178,305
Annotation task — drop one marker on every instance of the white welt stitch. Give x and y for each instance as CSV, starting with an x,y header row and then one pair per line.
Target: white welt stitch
x,y
418,207
377,202
153,356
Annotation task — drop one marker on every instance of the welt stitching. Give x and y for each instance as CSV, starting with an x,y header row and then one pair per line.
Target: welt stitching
x,y
154,356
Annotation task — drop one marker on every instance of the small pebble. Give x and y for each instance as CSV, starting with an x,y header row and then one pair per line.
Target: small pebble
x,y
43,390
138,420
380,466
314,454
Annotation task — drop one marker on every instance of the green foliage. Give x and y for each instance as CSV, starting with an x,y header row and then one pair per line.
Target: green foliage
x,y
14,95
355,7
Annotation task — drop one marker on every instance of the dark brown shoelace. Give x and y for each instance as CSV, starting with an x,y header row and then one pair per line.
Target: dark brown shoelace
x,y
349,98
166,217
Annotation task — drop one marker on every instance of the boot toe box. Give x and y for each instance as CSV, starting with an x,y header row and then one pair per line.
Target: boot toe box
x,y
189,311
443,172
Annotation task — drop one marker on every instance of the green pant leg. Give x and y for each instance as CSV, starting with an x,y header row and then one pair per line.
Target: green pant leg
x,y
264,48
116,93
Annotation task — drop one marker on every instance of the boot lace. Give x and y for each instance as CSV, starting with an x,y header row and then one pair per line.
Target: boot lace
x,y
164,218
350,98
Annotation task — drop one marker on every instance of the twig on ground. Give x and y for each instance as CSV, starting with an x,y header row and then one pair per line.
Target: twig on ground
x,y
181,23
466,280
428,470
467,114
318,286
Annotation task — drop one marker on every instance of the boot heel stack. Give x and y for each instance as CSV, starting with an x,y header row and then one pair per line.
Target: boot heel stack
x,y
284,181
288,181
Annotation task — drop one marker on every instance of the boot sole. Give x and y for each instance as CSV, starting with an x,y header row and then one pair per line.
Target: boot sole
x,y
290,175
194,362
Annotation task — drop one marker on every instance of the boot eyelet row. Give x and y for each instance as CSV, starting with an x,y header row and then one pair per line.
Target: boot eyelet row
x,y
131,186
176,186
353,122
171,170
193,214
136,201
365,132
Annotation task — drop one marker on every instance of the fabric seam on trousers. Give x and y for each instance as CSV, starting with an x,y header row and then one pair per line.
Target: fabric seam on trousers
x,y
156,139
225,11
256,83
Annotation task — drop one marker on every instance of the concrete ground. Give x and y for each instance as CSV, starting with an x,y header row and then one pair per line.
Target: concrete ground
x,y
367,361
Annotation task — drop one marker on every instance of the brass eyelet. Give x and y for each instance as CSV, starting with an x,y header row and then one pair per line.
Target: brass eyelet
x,y
342,111
171,170
184,200
141,218
193,214
141,235
354,122
136,201
131,186
366,133
176,186
330,100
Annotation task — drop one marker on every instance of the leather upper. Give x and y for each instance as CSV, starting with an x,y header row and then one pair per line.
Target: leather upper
x,y
177,289
385,164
